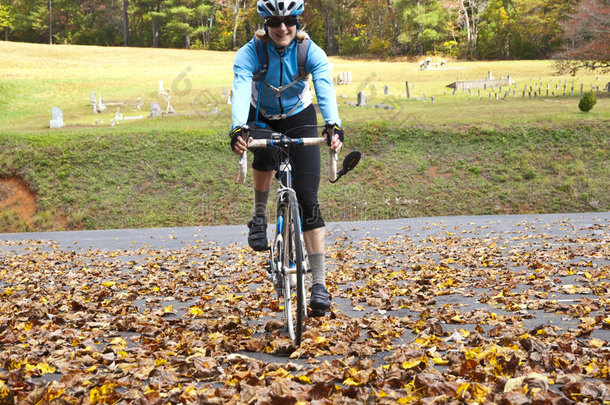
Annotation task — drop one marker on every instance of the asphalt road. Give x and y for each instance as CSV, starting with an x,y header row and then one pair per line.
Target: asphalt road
x,y
512,232
555,225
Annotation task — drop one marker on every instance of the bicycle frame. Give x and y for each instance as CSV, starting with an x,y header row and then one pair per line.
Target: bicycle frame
x,y
288,263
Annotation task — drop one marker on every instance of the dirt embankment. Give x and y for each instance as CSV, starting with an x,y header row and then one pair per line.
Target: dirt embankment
x,y
16,196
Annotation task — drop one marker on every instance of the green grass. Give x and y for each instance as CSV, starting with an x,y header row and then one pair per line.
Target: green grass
x,y
35,77
119,180
459,155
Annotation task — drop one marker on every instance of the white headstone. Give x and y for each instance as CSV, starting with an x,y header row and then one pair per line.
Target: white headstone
x,y
57,118
93,98
100,105
155,109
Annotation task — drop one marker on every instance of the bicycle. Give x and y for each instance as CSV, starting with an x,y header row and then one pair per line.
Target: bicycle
x,y
287,255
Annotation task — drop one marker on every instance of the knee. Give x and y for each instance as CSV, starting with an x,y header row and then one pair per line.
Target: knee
x,y
310,212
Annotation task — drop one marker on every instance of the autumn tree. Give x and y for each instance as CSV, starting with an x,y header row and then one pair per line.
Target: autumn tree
x,y
587,38
5,19
468,14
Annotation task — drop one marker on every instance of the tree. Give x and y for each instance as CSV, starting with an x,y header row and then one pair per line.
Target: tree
x,y
423,26
469,14
125,23
587,36
5,19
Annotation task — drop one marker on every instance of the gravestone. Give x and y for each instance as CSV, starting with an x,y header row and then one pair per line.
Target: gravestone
x,y
100,105
361,99
139,105
93,98
386,90
57,118
408,95
155,109
161,92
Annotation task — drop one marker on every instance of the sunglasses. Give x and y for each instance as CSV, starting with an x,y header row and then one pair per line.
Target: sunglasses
x,y
276,22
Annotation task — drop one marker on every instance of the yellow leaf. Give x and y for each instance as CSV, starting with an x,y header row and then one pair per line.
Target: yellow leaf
x,y
596,343
118,341
304,379
102,395
4,390
351,382
407,365
108,284
168,308
440,361
321,340
457,319
477,392
44,368
160,362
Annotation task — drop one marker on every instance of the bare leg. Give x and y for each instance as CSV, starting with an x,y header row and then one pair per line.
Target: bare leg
x,y
262,180
314,240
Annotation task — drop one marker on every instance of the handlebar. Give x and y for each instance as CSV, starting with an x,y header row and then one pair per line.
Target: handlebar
x,y
281,140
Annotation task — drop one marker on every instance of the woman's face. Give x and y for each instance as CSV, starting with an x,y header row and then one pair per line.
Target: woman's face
x,y
283,34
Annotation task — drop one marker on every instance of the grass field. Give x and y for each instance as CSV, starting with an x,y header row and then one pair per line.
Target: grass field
x,y
459,155
34,78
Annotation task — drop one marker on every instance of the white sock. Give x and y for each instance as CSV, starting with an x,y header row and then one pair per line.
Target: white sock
x,y
318,272
260,203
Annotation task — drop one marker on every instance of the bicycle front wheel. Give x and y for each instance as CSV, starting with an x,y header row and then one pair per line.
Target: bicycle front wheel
x,y
294,263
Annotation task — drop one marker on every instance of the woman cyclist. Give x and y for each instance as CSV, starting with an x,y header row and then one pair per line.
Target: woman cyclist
x,y
278,96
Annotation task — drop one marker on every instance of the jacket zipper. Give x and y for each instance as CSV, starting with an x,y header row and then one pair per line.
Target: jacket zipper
x,y
281,76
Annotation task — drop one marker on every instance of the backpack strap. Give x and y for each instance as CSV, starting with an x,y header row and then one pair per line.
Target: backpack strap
x,y
263,57
302,50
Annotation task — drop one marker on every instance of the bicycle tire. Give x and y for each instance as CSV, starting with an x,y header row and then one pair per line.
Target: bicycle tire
x,y
297,253
281,260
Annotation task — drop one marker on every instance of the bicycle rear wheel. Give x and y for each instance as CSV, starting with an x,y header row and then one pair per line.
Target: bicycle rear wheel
x,y
294,265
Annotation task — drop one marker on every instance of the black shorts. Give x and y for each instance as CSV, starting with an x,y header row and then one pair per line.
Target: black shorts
x,y
305,161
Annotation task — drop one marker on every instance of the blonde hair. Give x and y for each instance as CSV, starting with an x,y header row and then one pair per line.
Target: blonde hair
x,y
264,36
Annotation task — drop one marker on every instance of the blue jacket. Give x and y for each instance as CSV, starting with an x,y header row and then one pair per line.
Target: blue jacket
x,y
281,70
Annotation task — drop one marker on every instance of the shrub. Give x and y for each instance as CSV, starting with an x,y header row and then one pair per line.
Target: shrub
x,y
587,101
379,46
